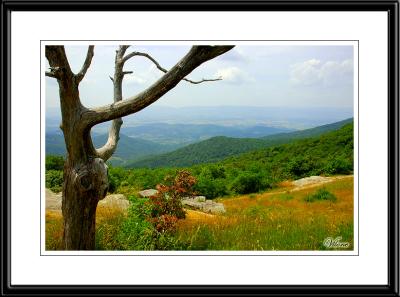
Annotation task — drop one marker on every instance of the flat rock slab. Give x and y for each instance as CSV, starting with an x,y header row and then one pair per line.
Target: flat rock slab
x,y
207,206
148,193
310,180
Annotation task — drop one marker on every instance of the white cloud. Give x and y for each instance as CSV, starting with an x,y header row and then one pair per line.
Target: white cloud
x,y
148,76
134,79
313,71
233,75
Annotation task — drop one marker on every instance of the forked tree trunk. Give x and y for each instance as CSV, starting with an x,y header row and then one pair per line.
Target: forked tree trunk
x,y
85,173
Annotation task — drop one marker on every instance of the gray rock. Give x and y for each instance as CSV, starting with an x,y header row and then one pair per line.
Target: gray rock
x,y
200,198
310,180
116,200
207,206
148,193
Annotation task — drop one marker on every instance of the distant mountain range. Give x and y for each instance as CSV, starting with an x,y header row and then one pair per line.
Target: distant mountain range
x,y
183,134
157,138
128,148
168,145
218,148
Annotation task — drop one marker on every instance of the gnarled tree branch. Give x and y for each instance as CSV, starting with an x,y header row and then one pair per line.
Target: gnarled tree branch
x,y
106,151
159,67
86,64
194,58
57,58
51,74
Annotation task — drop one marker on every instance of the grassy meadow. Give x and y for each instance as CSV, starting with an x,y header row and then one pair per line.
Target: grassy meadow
x,y
278,219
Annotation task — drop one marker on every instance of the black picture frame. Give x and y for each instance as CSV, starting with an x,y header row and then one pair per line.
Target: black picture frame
x,y
392,7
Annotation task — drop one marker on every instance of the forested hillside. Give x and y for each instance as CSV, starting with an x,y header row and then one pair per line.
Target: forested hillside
x,y
219,148
129,148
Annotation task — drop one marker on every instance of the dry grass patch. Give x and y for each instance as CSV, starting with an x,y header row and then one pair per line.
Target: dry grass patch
x,y
277,220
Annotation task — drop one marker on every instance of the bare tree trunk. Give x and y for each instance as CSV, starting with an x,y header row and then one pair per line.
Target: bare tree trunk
x,y
84,185
85,173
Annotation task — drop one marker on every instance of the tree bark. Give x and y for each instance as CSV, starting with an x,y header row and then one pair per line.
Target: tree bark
x,y
84,185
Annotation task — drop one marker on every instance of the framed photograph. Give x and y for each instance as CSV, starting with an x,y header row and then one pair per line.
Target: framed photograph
x,y
200,147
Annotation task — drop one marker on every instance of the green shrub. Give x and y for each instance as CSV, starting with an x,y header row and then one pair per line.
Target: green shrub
x,y
321,195
302,166
139,231
54,180
247,183
55,163
339,166
217,171
211,188
136,233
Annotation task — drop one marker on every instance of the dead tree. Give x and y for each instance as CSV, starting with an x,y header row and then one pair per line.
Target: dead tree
x,y
85,172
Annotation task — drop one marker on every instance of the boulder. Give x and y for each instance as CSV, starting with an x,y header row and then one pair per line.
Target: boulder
x,y
148,193
115,200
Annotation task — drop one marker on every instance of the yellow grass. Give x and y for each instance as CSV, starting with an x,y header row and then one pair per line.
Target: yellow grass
x,y
107,218
277,219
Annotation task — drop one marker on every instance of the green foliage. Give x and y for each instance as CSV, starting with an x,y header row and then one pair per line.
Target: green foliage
x,y
54,162
321,195
302,166
211,188
218,148
54,180
339,165
137,232
211,182
247,183
151,222
327,154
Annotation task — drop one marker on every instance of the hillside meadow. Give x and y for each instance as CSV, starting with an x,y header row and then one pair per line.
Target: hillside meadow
x,y
265,209
279,219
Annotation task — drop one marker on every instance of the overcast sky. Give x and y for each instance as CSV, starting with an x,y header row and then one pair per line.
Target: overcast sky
x,y
306,76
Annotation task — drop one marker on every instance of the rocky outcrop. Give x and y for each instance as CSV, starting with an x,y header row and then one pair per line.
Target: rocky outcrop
x,y
202,204
310,180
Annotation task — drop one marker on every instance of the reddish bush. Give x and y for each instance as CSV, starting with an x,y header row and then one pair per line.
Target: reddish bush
x,y
166,207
